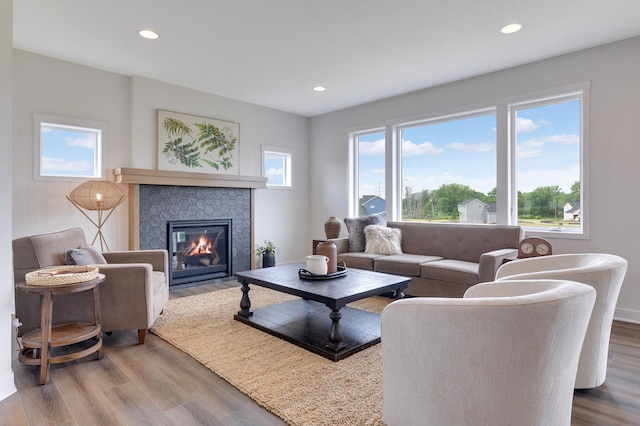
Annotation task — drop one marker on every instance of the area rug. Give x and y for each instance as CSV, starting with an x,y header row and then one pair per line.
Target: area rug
x,y
296,385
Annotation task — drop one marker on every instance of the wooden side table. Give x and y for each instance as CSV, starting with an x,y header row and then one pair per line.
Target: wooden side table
x,y
39,342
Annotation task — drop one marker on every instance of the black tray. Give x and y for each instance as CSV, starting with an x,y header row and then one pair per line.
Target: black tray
x,y
306,275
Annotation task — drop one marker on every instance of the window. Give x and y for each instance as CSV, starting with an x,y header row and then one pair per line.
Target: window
x,y
449,169
548,167
67,147
521,160
370,197
276,166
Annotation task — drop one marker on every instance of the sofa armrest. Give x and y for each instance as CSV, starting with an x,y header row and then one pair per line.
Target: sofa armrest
x,y
491,261
159,259
342,244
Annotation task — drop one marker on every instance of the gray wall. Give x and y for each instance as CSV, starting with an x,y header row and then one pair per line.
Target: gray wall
x,y
615,95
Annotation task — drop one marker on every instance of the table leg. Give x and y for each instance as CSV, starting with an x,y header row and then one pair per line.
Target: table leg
x,y
335,337
46,311
97,318
245,303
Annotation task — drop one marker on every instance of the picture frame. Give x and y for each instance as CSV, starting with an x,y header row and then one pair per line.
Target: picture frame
x,y
191,143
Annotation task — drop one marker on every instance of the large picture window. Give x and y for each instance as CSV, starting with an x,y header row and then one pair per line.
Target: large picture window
x,y
67,147
519,161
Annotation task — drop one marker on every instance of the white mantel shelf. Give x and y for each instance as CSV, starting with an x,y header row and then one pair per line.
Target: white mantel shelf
x,y
164,177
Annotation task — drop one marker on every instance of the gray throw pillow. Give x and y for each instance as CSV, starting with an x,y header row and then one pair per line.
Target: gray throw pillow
x,y
356,225
87,255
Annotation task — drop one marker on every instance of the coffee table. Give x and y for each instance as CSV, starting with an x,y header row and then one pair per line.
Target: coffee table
x,y
334,333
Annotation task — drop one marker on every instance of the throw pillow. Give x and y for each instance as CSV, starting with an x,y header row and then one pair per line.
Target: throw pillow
x,y
382,240
356,225
87,255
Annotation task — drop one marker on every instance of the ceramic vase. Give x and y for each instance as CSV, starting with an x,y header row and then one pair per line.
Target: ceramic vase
x,y
329,249
332,227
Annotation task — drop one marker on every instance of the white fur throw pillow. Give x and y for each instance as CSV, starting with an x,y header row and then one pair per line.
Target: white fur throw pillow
x,y
382,240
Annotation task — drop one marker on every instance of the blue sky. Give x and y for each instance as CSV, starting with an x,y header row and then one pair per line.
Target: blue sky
x,y
66,152
464,151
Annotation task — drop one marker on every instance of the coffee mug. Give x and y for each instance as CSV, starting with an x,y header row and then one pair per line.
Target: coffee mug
x,y
317,264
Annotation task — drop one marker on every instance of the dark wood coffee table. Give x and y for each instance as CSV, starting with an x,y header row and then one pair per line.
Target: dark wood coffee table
x,y
336,333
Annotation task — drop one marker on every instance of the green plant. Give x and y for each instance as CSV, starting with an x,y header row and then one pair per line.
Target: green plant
x,y
267,248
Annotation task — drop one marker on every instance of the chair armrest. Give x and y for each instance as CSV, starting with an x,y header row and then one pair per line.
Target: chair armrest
x,y
159,259
342,244
491,261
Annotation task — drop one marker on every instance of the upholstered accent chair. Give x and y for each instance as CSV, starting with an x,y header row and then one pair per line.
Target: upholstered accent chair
x,y
134,292
504,354
605,273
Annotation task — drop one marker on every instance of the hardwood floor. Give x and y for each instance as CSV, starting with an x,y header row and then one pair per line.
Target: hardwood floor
x,y
158,384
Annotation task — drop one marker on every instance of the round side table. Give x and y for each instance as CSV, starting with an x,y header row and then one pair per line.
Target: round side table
x,y
39,342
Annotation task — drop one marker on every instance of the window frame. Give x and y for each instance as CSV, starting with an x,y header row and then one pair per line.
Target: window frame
x,y
99,127
287,165
506,190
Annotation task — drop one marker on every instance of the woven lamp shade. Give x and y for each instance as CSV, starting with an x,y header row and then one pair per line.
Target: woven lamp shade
x,y
97,195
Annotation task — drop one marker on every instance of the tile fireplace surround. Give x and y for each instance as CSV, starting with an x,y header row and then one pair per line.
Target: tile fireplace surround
x,y
157,196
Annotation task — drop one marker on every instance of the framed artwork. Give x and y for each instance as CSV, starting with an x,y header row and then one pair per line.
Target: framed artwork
x,y
189,143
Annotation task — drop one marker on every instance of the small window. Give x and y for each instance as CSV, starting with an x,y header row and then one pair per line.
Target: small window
x,y
276,167
67,147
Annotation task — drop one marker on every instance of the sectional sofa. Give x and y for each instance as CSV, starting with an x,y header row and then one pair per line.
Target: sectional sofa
x,y
443,260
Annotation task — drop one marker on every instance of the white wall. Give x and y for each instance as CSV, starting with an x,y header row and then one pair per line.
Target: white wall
x,y
7,386
615,146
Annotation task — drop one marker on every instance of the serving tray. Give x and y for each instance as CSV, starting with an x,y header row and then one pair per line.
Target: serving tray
x,y
306,275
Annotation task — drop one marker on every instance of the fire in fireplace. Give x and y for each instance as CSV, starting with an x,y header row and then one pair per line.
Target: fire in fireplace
x,y
199,250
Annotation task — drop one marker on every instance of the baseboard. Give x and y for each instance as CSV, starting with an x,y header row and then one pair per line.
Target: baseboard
x,y
7,386
627,315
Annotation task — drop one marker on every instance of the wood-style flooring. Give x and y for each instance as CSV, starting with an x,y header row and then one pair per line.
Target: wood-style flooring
x,y
157,384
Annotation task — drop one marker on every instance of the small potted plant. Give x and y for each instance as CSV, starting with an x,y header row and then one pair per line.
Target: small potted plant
x,y
268,253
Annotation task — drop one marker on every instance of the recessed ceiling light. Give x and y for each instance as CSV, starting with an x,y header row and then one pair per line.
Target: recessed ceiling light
x,y
511,28
319,89
151,35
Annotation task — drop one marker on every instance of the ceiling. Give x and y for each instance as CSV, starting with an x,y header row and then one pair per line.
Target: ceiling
x,y
273,52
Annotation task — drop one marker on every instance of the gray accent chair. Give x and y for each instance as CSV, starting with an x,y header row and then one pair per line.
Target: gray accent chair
x,y
133,295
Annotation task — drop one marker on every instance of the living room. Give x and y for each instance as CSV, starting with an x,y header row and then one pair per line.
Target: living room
x,y
292,218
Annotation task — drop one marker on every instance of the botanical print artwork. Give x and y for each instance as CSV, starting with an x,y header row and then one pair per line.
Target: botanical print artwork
x,y
197,144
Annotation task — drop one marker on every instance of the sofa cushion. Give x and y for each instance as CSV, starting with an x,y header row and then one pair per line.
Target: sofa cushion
x,y
356,225
456,271
382,240
403,264
358,260
87,255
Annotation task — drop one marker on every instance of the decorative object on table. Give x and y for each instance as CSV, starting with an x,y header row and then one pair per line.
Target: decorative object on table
x,y
341,272
316,264
190,143
329,249
268,253
101,196
332,227
61,276
533,247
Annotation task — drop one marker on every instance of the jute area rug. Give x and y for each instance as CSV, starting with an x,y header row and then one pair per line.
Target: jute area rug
x,y
296,385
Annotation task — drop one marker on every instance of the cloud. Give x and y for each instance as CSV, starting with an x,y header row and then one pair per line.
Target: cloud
x,y
525,125
472,147
60,164
533,147
86,142
274,172
375,148
410,149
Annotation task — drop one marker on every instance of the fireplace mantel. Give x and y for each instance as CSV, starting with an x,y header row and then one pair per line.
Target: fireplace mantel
x,y
164,177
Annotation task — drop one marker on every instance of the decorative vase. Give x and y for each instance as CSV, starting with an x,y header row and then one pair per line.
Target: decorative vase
x,y
332,227
329,249
268,260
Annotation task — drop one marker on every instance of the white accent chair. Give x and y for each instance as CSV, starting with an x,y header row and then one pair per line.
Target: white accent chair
x,y
504,354
605,273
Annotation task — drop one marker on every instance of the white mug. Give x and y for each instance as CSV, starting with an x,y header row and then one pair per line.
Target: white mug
x,y
317,264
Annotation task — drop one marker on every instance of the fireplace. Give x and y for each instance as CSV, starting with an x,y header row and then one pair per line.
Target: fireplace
x,y
199,250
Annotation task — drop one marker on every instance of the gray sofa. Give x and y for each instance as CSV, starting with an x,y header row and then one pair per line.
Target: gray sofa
x,y
443,260
134,292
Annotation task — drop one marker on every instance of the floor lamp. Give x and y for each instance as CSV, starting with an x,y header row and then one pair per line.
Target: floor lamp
x,y
101,196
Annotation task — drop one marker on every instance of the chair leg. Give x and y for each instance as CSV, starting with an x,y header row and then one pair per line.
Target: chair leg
x,y
142,333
